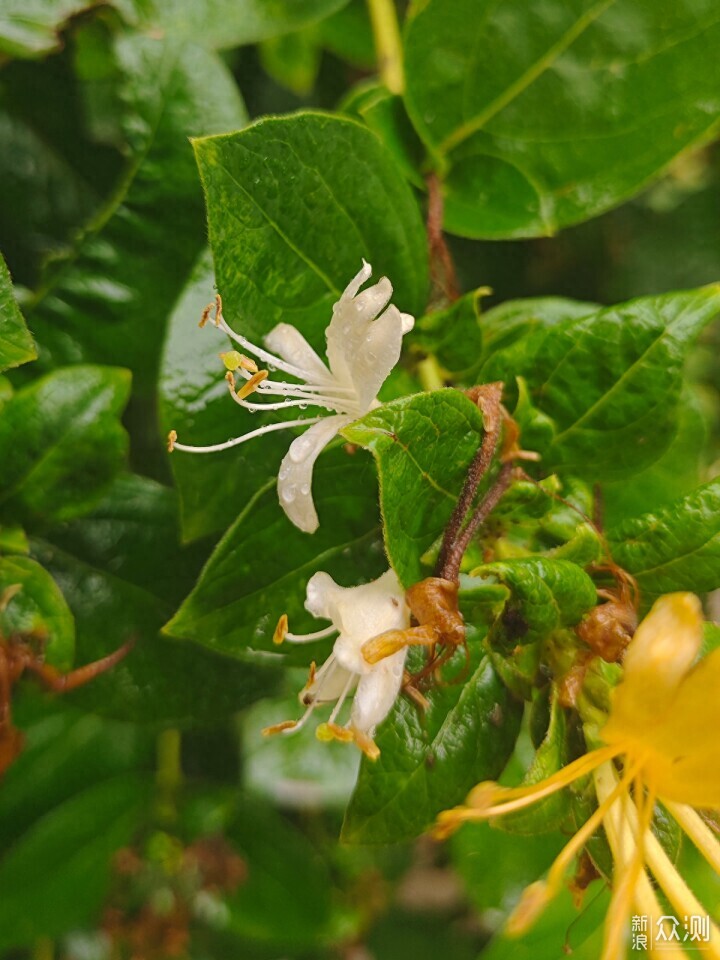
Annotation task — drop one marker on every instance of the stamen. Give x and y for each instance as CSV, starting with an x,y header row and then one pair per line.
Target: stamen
x,y
309,637
281,727
249,387
341,699
325,732
261,354
281,630
701,835
536,897
386,644
238,361
214,448
366,744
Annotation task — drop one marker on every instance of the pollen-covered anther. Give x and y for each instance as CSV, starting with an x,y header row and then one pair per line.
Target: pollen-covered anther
x,y
279,728
250,386
325,732
379,648
366,744
234,360
280,630
171,440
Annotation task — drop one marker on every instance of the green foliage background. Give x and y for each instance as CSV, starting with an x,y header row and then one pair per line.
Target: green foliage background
x,y
573,146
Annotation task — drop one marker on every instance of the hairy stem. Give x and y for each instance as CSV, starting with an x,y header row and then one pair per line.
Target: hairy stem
x,y
442,269
388,45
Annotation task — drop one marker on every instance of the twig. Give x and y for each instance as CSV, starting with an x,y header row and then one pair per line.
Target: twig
x,y
442,268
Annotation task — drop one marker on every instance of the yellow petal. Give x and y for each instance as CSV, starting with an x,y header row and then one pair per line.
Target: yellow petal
x,y
658,658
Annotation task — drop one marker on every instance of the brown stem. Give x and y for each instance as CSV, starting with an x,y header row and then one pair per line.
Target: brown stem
x,y
488,398
451,570
442,268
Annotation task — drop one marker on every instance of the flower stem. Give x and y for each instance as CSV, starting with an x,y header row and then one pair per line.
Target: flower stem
x,y
388,45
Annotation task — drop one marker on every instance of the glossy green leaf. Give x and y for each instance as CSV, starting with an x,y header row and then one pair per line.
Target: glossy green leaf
x,y
542,117
674,548
545,594
32,28
123,573
423,445
454,336
61,442
16,345
429,761
55,876
221,24
37,608
260,568
109,300
674,474
610,382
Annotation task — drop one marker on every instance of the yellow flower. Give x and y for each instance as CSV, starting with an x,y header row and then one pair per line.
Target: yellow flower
x,y
660,742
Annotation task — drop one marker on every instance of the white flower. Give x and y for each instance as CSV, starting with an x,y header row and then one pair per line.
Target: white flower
x,y
359,615
363,345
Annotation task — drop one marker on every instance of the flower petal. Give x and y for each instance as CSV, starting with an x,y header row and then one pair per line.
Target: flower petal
x,y
290,345
683,745
295,475
377,692
658,658
363,350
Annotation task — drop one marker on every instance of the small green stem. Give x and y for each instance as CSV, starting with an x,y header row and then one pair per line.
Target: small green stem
x,y
430,374
169,772
388,44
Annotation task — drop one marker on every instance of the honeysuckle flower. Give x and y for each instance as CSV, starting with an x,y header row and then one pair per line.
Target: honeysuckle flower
x,y
359,615
660,743
364,339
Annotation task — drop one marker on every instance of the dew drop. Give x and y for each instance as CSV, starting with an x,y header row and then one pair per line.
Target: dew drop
x,y
305,489
288,494
299,449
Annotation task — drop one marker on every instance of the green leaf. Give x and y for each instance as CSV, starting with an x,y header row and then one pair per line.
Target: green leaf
x,y
221,24
123,573
610,382
61,442
454,336
293,60
260,568
109,300
539,118
38,607
423,446
675,473
545,594
56,875
429,761
32,28
16,345
674,548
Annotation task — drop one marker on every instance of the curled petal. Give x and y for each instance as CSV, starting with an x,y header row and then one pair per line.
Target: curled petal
x,y
290,345
295,476
377,692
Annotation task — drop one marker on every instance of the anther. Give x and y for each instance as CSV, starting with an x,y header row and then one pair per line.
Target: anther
x,y
279,728
251,385
281,629
171,440
234,360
